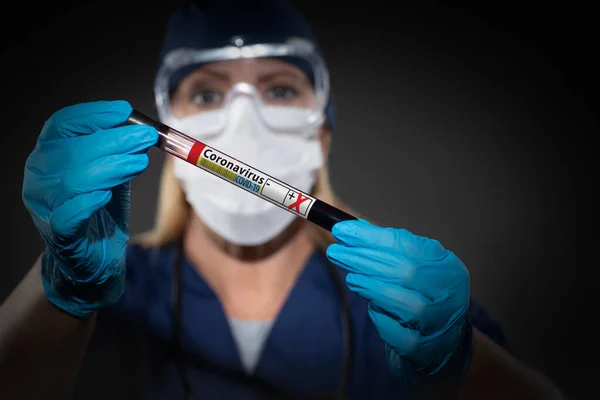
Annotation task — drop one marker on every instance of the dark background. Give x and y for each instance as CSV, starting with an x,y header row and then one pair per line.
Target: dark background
x,y
469,124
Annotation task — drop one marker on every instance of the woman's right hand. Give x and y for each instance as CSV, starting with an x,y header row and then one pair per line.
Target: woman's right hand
x,y
76,188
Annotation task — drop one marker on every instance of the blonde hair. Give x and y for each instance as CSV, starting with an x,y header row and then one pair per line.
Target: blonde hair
x,y
173,211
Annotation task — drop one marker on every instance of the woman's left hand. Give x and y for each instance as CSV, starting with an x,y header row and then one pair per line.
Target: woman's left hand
x,y
418,295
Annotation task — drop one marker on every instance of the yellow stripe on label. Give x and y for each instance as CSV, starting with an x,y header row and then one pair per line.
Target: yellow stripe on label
x,y
224,172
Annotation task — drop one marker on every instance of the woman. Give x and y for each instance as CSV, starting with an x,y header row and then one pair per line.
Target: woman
x,y
258,303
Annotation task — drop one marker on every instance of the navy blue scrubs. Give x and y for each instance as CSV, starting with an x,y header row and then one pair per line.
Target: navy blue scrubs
x,y
302,354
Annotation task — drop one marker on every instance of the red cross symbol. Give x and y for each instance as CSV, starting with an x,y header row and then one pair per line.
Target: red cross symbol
x,y
299,201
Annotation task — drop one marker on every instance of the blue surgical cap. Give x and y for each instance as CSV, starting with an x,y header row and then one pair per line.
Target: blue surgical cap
x,y
204,24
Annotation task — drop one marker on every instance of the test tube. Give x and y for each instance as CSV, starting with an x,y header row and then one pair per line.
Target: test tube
x,y
169,140
251,179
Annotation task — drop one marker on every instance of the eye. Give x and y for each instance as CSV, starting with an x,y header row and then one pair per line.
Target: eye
x,y
207,97
283,93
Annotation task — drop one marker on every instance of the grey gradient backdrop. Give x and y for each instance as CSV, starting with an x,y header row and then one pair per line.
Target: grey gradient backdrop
x,y
467,125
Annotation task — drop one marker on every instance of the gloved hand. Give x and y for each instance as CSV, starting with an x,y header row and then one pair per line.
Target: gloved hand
x,y
76,188
418,295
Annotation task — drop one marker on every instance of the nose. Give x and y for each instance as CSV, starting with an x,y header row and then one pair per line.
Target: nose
x,y
242,89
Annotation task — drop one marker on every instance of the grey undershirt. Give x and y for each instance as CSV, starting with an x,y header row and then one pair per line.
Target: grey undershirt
x,y
250,337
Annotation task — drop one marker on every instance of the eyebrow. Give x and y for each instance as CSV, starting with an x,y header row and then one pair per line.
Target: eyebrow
x,y
272,75
219,75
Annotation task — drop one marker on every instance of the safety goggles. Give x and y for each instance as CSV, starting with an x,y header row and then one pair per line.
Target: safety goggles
x,y
286,76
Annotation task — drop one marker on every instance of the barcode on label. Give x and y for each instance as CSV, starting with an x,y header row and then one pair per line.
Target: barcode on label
x,y
217,169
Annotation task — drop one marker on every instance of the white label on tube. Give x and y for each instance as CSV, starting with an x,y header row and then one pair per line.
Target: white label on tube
x,y
250,179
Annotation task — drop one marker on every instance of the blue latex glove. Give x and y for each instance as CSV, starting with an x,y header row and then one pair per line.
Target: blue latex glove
x,y
77,190
418,295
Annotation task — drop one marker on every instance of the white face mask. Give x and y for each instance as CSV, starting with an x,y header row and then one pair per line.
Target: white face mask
x,y
231,212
